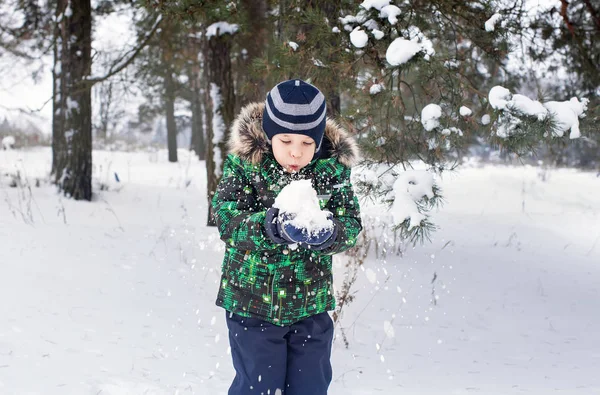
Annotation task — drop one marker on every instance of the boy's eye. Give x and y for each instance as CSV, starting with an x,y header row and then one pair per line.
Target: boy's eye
x,y
286,141
308,143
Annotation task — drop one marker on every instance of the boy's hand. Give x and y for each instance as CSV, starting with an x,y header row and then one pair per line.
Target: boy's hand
x,y
301,235
273,227
292,234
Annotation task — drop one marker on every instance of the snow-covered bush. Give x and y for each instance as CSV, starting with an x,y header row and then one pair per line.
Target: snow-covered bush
x,y
8,142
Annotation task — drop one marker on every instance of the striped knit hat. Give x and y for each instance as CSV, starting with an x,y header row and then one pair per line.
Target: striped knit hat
x,y
295,107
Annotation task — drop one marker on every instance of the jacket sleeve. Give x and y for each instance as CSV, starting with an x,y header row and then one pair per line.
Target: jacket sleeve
x,y
236,213
346,215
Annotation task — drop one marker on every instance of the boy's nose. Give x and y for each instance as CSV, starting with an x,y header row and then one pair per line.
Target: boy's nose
x,y
296,153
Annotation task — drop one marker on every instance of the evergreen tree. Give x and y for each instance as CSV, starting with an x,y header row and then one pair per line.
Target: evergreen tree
x,y
564,38
415,81
65,27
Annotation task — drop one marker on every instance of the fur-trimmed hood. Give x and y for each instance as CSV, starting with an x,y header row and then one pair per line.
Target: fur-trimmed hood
x,y
249,141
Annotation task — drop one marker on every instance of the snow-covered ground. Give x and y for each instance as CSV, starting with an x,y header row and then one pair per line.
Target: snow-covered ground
x,y
116,297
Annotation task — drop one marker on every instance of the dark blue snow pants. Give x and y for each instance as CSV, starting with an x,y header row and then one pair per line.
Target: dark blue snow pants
x,y
293,359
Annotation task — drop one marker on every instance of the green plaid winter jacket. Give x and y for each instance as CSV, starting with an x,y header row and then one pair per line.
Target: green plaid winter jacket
x,y
268,281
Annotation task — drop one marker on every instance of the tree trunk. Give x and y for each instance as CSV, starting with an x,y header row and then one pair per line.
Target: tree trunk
x,y
72,120
331,10
255,42
220,87
58,88
197,144
170,114
105,98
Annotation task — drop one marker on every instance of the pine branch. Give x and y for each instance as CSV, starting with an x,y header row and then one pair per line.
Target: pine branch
x,y
594,14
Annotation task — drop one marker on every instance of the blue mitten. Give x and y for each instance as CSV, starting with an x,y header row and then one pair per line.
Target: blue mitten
x,y
314,240
272,227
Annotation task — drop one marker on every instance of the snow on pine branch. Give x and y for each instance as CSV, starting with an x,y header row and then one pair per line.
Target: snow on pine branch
x,y
465,111
399,51
490,24
221,28
517,114
410,196
409,188
377,4
430,116
513,107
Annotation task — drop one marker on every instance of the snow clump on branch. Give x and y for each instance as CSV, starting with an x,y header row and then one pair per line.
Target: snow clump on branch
x,y
359,38
430,116
409,188
565,113
221,28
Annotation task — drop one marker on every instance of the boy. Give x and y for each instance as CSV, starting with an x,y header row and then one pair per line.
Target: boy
x,y
276,295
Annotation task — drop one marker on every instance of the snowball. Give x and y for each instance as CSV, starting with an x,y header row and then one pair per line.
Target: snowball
x,y
300,199
377,4
430,116
490,24
410,187
390,12
401,51
375,89
566,115
499,97
465,111
359,38
378,34
485,120
293,45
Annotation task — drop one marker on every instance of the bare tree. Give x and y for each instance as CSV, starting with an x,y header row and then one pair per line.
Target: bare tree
x,y
109,114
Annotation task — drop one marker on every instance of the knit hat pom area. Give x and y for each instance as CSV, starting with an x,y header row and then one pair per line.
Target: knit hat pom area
x,y
295,107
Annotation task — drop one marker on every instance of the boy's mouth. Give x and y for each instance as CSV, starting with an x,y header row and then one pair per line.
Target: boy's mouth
x,y
294,167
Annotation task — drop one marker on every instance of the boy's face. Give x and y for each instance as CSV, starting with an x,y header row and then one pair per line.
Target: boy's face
x,y
293,151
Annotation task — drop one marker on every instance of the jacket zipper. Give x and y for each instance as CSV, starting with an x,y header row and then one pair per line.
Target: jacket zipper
x,y
273,295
